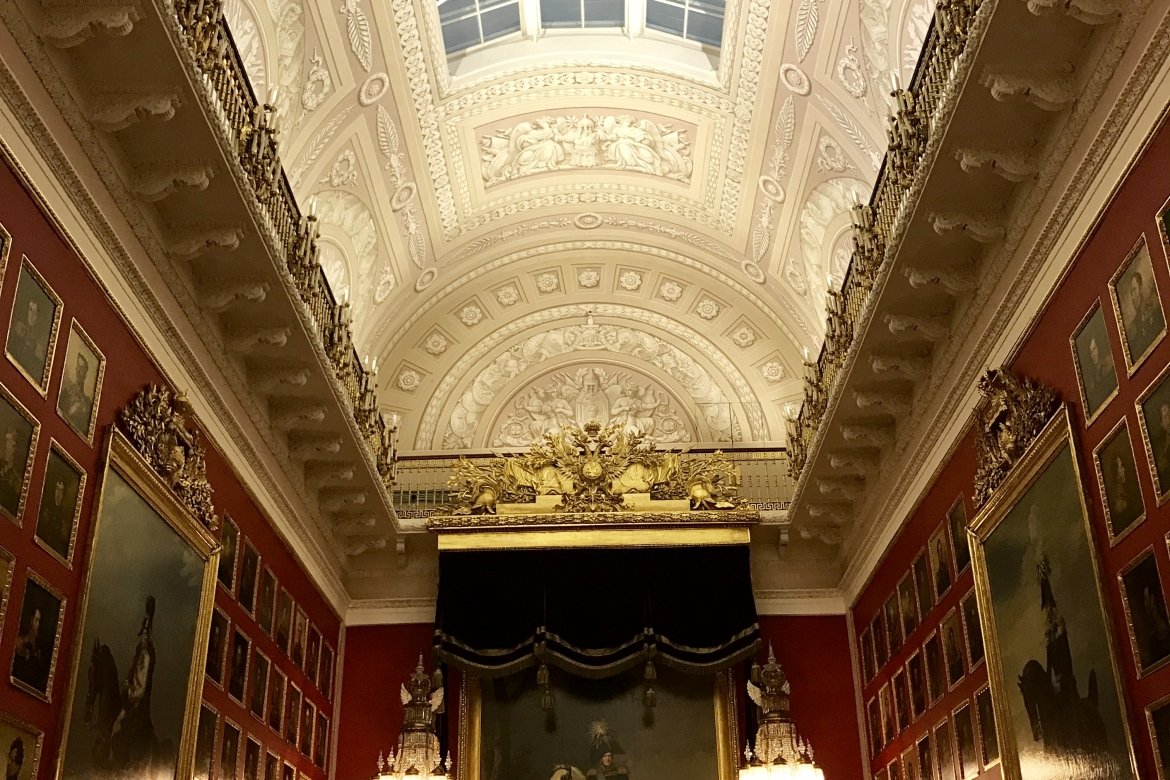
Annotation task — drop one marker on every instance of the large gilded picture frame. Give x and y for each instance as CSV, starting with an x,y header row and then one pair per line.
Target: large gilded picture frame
x,y
144,623
690,735
1052,662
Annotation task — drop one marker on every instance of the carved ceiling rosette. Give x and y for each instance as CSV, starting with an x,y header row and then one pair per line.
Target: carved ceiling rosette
x,y
1013,412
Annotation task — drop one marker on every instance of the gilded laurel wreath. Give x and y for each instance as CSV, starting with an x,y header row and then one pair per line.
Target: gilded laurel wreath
x,y
592,469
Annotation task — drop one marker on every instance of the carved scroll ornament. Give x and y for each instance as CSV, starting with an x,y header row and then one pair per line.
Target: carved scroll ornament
x,y
1012,414
156,424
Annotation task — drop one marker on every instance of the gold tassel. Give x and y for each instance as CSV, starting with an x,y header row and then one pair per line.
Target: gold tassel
x,y
548,702
649,698
649,673
542,675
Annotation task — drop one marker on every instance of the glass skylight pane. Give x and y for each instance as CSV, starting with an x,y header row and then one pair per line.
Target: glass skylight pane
x,y
605,13
707,6
704,28
452,9
664,17
500,21
457,36
560,13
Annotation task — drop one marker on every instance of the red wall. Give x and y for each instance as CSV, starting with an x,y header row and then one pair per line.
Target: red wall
x,y
128,369
1046,356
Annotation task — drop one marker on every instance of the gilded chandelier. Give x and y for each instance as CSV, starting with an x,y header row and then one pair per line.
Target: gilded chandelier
x,y
417,754
780,753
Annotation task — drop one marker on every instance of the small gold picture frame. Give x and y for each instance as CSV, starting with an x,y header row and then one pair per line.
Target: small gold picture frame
x,y
59,512
21,743
5,248
1153,410
38,637
32,335
1117,478
1141,317
19,432
1146,620
1158,723
7,566
1093,361
79,396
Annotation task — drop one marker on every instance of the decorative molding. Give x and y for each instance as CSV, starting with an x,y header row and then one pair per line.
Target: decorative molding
x,y
67,25
116,110
1010,416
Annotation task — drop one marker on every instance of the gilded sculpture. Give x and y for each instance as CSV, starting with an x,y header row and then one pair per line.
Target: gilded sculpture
x,y
593,469
1013,412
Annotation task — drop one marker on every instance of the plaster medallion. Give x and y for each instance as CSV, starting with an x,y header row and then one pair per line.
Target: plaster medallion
x,y
507,295
402,196
587,221
630,281
773,371
436,344
425,279
343,172
744,336
470,315
548,282
707,309
373,88
832,156
409,380
588,278
670,291
771,189
795,79
753,271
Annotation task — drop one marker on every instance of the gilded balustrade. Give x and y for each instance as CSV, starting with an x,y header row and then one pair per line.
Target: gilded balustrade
x,y
255,127
874,222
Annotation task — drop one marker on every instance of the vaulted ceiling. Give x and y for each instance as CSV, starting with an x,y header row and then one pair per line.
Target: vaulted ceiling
x,y
583,208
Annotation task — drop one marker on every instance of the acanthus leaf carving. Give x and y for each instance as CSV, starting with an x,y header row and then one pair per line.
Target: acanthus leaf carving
x,y
808,16
357,26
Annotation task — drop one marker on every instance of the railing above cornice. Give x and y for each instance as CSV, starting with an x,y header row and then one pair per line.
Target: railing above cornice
x,y
876,223
253,124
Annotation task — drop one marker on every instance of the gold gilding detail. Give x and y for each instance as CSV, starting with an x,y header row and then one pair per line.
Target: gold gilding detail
x,y
1012,414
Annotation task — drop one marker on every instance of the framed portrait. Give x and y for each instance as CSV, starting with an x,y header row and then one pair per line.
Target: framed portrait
x,y
952,641
939,551
292,713
1036,570
282,623
7,565
20,432
902,700
970,609
881,648
60,507
968,759
266,605
229,750
229,539
145,616
1140,316
312,653
1153,407
205,742
258,690
305,733
908,605
38,635
33,326
299,634
922,585
894,770
1158,722
217,637
916,674
866,651
873,723
288,772
988,738
21,743
910,762
1145,612
925,758
81,383
889,717
957,523
944,750
1117,476
271,766
326,675
599,724
249,574
275,704
238,668
1163,220
1093,360
881,774
893,623
321,740
252,751
935,671
5,247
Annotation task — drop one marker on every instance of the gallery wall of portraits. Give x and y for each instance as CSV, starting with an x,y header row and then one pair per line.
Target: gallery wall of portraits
x,y
1072,551
101,579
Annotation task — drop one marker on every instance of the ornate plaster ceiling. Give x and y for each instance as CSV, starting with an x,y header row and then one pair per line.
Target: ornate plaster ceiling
x,y
560,204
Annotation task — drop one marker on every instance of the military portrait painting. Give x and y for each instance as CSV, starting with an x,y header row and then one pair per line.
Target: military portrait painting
x,y
1096,374
1154,417
60,506
1138,305
34,653
81,383
33,325
21,746
1117,475
18,439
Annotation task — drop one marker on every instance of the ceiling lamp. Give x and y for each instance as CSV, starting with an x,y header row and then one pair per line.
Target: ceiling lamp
x,y
418,755
779,753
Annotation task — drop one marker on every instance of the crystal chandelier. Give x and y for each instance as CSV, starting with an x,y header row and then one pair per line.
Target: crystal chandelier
x,y
780,753
418,755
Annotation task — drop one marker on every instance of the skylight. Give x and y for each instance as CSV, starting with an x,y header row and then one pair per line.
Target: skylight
x,y
582,13
695,20
468,23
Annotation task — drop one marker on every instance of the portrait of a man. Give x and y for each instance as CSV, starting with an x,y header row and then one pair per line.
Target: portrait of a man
x,y
1145,607
282,625
80,382
217,646
271,766
902,700
229,539
952,639
1094,362
292,714
940,562
893,622
320,740
18,435
60,504
34,652
1155,421
1135,295
1158,720
988,739
258,683
238,673
922,584
205,742
21,746
299,635
935,675
252,760
325,676
944,749
266,605
308,713
32,330
1117,473
916,671
313,653
889,717
881,649
973,630
275,703
957,521
965,737
249,571
229,750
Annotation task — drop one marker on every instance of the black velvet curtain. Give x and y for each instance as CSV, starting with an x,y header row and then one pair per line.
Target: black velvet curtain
x,y
596,612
